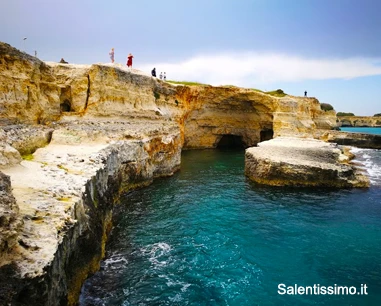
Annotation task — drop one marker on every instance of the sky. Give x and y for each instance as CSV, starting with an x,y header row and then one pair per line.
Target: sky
x,y
329,48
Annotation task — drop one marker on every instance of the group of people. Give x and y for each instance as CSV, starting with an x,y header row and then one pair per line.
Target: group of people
x,y
161,76
129,58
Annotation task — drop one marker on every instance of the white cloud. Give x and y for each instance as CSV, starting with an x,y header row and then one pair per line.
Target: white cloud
x,y
248,69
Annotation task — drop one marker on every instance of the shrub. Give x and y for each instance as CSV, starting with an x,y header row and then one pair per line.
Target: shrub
x,y
156,95
345,114
276,93
377,115
326,107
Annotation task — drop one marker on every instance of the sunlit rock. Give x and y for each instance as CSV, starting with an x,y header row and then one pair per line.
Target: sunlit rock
x,y
286,161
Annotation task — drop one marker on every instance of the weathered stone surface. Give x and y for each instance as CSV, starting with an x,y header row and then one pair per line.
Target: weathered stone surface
x,y
27,86
8,155
9,217
66,195
26,139
251,115
359,140
359,121
38,92
287,161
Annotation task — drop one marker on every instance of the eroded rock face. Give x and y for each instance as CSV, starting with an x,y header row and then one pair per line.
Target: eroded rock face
x,y
66,195
28,88
9,218
359,121
301,116
251,115
38,92
359,140
301,162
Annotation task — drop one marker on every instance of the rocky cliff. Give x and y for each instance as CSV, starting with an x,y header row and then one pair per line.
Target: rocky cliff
x,y
358,121
73,137
36,92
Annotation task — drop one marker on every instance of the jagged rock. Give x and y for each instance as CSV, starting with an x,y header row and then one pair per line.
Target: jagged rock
x,y
26,139
286,161
8,155
9,218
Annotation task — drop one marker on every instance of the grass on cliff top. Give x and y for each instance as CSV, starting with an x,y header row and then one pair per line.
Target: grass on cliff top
x,y
187,83
275,93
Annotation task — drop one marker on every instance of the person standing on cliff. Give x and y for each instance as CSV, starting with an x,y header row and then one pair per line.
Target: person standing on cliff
x,y
305,93
161,75
165,77
129,60
153,72
111,53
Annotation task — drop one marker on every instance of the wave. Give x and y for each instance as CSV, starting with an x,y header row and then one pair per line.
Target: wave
x,y
157,253
371,161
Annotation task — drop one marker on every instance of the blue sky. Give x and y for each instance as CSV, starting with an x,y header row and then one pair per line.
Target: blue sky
x,y
331,48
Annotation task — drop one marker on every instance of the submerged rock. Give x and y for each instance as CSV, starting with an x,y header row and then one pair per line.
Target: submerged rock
x,y
287,161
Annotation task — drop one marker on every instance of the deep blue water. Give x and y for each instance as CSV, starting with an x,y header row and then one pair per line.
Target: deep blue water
x,y
208,236
365,130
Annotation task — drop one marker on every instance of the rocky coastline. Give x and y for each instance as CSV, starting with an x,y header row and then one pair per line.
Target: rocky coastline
x,y
73,138
358,121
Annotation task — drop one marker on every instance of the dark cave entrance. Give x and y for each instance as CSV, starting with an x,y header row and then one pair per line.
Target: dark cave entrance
x,y
231,142
266,135
65,106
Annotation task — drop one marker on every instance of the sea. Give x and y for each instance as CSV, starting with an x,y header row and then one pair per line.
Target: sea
x,y
209,236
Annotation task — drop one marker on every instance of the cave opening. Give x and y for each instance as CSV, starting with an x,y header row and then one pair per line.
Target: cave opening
x,y
231,142
266,135
65,106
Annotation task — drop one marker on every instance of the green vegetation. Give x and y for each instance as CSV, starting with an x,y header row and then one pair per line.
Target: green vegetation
x,y
345,114
275,93
187,83
326,107
157,95
377,115
27,156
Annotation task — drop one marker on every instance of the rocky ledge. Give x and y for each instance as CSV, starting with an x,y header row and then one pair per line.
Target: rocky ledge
x,y
287,161
54,223
359,140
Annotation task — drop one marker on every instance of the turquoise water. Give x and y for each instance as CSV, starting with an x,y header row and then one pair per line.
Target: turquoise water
x,y
366,130
208,236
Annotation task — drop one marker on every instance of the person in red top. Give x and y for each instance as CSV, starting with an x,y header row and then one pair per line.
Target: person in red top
x,y
129,60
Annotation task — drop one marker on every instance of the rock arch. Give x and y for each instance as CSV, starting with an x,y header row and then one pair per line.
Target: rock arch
x,y
230,141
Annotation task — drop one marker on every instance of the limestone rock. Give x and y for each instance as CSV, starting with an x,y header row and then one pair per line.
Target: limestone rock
x,y
38,92
287,161
28,88
9,218
8,155
359,140
359,121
